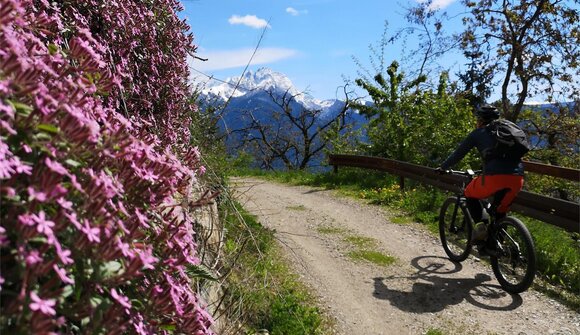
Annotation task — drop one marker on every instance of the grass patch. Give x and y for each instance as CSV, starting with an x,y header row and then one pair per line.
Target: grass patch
x,y
374,257
434,332
401,219
296,208
361,242
331,230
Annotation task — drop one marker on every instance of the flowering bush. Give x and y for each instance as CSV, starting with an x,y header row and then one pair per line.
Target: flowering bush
x,y
93,151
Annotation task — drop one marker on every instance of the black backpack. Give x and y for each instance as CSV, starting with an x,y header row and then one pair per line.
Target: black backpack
x,y
510,140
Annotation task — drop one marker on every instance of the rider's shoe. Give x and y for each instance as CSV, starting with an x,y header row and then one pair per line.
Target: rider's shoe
x,y
487,249
479,235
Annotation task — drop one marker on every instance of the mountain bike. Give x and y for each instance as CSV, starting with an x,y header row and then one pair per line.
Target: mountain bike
x,y
509,244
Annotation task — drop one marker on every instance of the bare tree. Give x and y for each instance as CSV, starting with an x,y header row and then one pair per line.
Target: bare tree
x,y
291,134
534,43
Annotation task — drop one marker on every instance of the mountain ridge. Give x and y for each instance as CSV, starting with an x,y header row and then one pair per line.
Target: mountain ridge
x,y
266,80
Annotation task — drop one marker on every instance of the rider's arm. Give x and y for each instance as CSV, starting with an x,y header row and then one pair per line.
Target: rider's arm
x,y
467,144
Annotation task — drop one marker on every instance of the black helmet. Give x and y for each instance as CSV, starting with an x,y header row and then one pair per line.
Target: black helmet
x,y
487,112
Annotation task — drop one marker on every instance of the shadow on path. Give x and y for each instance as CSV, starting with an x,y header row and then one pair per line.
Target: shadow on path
x,y
433,290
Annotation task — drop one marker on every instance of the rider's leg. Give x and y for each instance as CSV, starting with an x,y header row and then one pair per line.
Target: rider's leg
x,y
514,183
475,209
486,186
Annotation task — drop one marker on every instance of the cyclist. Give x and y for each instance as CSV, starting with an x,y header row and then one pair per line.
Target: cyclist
x,y
499,174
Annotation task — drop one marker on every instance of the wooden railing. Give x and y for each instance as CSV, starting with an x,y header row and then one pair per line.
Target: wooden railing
x,y
558,212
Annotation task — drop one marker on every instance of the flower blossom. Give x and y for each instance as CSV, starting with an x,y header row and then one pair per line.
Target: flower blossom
x,y
61,273
93,234
43,225
121,299
43,306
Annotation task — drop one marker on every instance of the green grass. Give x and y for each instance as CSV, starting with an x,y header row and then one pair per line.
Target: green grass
x,y
361,242
558,251
262,288
331,230
434,332
374,257
402,219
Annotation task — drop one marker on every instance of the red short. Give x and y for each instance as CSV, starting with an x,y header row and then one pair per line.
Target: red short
x,y
485,186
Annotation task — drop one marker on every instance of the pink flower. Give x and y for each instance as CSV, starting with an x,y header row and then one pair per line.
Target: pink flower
x,y
6,169
64,256
57,191
72,217
36,195
61,273
43,225
33,258
75,183
65,204
124,248
42,306
26,219
27,149
121,299
91,233
56,167
147,259
201,170
21,167
141,218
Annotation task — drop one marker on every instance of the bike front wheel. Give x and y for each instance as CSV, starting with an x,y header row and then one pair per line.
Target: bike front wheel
x,y
455,230
514,264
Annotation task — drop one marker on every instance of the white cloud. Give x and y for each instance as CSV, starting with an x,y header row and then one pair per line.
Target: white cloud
x,y
295,12
229,59
249,20
438,4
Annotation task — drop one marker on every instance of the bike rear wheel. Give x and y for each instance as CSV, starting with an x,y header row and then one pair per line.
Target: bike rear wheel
x,y
455,230
515,263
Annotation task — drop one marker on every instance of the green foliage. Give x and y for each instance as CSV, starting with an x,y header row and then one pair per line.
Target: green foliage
x,y
555,138
414,125
525,45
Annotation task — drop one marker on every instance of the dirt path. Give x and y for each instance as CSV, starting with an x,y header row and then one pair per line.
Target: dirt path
x,y
422,290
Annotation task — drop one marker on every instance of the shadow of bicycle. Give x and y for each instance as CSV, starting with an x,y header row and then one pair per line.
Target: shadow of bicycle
x,y
433,289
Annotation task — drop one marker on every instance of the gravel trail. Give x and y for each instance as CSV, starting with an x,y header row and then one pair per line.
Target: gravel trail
x,y
422,290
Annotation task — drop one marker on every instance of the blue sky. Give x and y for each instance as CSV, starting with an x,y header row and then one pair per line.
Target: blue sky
x,y
311,41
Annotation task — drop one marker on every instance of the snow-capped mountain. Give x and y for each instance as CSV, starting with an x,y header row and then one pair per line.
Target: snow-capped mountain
x,y
262,81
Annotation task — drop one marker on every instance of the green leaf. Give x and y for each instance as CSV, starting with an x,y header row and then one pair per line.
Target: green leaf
x,y
42,137
168,327
72,163
20,108
47,128
52,48
200,272
110,269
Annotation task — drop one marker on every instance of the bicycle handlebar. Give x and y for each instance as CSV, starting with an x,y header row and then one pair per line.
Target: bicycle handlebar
x,y
468,172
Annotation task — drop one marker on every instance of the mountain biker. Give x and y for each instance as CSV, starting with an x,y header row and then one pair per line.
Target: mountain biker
x,y
499,174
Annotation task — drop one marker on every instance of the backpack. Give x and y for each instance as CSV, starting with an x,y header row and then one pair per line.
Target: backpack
x,y
510,140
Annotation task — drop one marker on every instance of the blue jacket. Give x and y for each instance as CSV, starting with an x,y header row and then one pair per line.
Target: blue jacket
x,y
484,142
